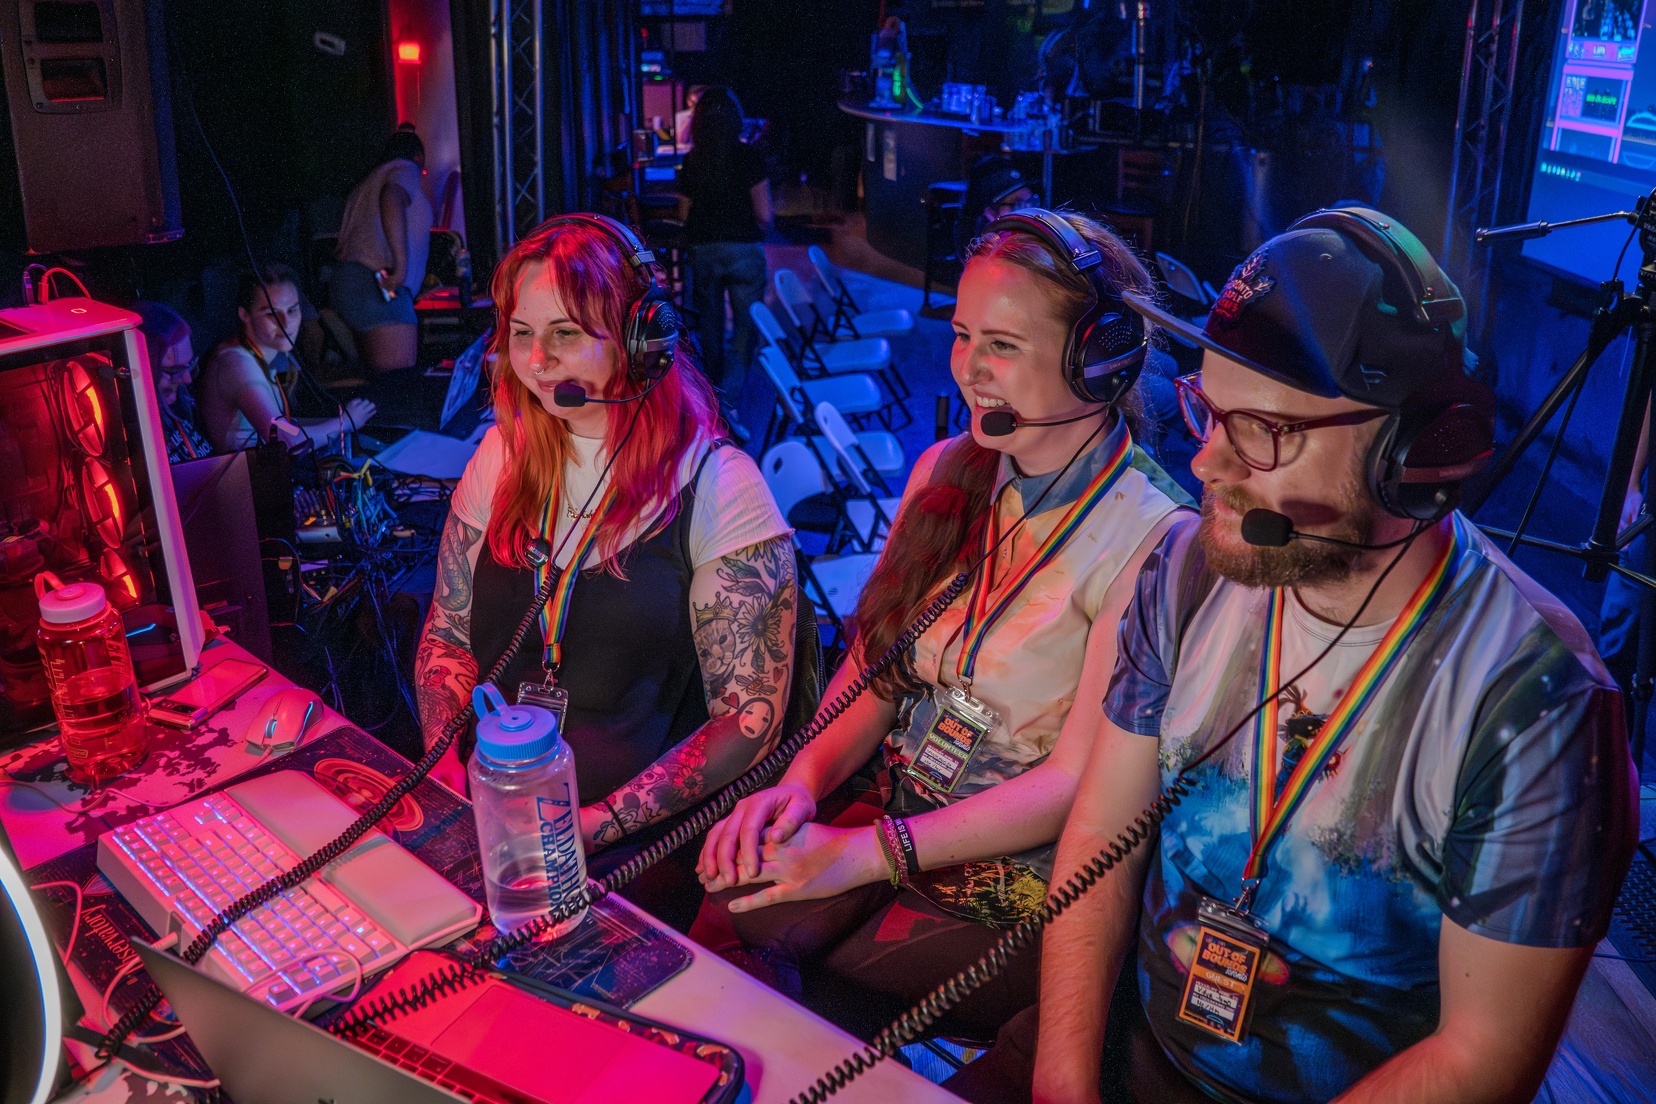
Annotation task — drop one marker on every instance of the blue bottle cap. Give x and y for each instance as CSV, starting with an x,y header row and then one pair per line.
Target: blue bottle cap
x,y
512,733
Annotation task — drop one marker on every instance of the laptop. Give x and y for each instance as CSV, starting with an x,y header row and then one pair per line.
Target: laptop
x,y
263,1056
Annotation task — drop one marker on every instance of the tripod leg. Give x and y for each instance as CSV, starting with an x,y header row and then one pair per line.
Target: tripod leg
x,y
1602,547
1645,669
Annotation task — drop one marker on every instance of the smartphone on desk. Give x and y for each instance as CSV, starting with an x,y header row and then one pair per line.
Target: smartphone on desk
x,y
191,704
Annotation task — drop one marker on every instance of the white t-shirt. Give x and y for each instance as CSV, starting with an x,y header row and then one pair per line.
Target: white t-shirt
x,y
733,507
362,236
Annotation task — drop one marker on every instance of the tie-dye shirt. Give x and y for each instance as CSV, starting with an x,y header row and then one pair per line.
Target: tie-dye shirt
x,y
1488,781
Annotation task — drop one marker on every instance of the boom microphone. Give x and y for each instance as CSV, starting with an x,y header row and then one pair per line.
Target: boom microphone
x,y
1269,529
1001,422
569,393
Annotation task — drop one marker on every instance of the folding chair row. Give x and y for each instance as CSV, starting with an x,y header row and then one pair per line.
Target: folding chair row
x,y
796,479
818,334
870,357
796,402
850,320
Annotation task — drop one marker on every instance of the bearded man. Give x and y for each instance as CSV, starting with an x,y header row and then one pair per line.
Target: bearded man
x,y
1405,802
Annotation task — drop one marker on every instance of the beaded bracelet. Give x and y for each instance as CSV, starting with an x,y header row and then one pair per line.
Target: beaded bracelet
x,y
887,854
894,848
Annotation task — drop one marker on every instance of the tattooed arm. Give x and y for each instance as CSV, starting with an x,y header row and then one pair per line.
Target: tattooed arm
x,y
743,606
444,670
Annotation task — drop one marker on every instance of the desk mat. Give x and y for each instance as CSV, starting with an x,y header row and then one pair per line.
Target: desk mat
x,y
613,956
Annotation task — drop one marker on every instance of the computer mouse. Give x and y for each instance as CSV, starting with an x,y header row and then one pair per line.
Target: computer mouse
x,y
283,720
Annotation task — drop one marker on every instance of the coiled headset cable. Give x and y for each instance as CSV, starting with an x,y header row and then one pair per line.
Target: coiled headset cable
x,y
913,1024
714,808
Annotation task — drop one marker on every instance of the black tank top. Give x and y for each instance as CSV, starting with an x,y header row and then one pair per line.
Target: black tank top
x,y
629,655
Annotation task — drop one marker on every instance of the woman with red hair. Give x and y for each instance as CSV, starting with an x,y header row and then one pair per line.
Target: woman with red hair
x,y
673,638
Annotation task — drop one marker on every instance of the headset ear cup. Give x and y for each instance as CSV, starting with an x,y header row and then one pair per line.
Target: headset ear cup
x,y
1456,437
652,331
1106,353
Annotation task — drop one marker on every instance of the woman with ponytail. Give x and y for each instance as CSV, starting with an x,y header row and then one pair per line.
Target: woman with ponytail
x,y
674,638
862,897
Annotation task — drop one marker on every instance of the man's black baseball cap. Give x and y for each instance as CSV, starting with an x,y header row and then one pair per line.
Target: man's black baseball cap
x,y
1345,302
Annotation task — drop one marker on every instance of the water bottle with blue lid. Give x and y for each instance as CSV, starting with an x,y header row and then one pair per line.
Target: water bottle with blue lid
x,y
528,812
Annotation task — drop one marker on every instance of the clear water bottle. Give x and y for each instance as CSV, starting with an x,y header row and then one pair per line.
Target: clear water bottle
x,y
89,669
528,812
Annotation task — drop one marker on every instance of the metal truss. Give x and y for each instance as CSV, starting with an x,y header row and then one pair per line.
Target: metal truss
x,y
515,54
1489,73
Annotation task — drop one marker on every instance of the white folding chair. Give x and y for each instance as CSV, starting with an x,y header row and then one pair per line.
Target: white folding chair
x,y
796,401
858,396
871,355
818,339
847,318
794,473
869,514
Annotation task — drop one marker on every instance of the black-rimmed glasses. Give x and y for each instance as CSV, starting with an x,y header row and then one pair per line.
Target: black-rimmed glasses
x,y
1256,440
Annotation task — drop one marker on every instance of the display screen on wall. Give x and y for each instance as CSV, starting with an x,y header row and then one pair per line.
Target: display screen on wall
x,y
1598,136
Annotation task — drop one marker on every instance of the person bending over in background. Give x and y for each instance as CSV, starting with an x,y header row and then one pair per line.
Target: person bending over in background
x,y
858,932
726,208
676,644
384,240
172,361
247,384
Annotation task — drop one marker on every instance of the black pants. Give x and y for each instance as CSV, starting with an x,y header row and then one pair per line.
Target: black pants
x,y
1135,1068
862,958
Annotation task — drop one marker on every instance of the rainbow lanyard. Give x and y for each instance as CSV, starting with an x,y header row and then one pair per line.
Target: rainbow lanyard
x,y
980,613
1269,817
554,617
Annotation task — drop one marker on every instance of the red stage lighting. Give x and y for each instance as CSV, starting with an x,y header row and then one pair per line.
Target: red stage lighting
x,y
408,52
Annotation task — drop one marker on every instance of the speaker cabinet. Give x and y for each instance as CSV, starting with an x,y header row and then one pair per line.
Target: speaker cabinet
x,y
87,85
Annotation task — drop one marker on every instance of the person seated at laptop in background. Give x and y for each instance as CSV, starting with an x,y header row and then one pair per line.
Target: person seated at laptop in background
x,y
247,384
384,241
1403,865
852,929
172,361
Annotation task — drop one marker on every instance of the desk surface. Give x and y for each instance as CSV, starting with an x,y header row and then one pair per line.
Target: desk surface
x,y
785,1047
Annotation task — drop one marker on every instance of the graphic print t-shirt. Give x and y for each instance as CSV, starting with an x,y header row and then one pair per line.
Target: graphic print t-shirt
x,y
1488,781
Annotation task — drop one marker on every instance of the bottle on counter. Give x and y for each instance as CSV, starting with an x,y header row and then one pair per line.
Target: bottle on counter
x,y
527,808
84,651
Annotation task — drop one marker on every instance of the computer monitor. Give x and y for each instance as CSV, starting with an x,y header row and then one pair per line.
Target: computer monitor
x,y
1597,152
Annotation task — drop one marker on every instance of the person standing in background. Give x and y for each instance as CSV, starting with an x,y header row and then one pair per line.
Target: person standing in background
x,y
383,243
726,207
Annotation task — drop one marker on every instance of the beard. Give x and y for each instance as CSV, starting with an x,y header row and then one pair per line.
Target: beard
x,y
1298,563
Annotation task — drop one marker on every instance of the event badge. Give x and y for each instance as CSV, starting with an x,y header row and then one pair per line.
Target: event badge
x,y
548,695
1230,949
955,732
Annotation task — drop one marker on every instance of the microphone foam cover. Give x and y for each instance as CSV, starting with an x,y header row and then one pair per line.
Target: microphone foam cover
x,y
999,423
1267,528
569,393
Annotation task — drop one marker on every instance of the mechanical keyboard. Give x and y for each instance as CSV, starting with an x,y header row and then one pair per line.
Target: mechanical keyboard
x,y
369,908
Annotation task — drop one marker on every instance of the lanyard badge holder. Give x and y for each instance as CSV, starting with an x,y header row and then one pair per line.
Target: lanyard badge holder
x,y
1231,943
962,721
555,614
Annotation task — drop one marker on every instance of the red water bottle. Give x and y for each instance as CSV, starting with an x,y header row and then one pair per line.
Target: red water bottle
x,y
94,693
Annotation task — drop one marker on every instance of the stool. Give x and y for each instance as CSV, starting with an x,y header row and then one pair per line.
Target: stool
x,y
943,202
1141,177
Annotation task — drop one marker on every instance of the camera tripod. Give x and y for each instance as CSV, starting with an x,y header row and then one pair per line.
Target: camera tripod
x,y
1622,311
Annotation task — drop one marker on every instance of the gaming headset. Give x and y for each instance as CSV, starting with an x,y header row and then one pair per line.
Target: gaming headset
x,y
1444,433
650,334
1106,347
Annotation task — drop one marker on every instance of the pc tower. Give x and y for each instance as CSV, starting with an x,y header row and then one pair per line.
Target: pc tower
x,y
85,492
